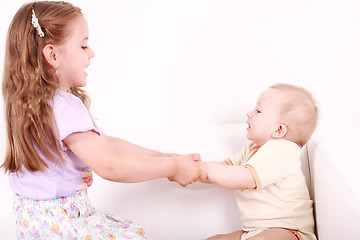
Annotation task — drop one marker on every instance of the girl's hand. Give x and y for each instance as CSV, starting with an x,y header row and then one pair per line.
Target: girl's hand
x,y
187,169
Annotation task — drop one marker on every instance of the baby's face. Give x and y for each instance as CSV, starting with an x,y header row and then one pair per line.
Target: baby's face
x,y
264,120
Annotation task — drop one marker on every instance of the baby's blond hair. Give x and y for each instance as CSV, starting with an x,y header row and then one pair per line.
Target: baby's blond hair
x,y
298,112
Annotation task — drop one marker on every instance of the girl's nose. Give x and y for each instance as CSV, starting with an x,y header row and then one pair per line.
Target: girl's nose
x,y
248,114
91,53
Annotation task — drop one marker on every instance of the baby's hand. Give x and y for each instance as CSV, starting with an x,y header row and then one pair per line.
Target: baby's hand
x,y
187,169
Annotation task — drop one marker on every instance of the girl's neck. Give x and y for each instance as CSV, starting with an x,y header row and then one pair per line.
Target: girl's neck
x,y
64,88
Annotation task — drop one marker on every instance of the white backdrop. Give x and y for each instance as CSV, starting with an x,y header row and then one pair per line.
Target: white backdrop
x,y
168,63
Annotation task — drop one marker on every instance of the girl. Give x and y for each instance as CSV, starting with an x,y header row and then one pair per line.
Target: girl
x,y
53,145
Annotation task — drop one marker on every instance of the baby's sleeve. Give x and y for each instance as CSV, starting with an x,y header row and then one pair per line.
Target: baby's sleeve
x,y
235,159
240,158
268,164
71,116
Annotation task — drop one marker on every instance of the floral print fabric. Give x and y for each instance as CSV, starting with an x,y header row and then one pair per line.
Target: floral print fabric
x,y
70,218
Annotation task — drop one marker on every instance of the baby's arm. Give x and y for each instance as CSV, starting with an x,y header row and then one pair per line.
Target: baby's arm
x,y
228,176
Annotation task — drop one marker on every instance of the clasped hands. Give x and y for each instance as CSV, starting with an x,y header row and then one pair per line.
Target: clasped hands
x,y
188,169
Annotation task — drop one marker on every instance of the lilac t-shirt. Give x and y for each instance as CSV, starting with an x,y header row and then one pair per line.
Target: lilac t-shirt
x,y
59,180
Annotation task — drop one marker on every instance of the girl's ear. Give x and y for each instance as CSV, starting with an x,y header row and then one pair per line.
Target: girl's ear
x,y
280,131
51,53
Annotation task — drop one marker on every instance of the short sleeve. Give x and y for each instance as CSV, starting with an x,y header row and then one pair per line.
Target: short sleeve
x,y
269,163
235,159
71,116
240,158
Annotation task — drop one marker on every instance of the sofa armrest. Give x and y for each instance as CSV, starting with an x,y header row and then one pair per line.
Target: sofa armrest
x,y
335,186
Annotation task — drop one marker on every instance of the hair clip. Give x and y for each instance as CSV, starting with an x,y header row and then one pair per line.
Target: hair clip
x,y
35,23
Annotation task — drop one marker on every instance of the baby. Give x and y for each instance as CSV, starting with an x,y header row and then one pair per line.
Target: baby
x,y
269,185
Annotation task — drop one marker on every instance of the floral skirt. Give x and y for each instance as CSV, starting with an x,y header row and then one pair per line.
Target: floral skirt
x,y
70,218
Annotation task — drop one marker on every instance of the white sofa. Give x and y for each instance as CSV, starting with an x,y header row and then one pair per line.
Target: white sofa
x,y
335,178
170,212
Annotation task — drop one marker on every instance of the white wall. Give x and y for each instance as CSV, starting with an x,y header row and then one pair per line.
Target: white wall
x,y
166,63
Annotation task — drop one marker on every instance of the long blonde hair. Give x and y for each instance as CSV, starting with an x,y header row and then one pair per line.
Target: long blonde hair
x,y
29,84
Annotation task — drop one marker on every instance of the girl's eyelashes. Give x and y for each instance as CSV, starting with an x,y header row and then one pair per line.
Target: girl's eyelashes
x,y
84,47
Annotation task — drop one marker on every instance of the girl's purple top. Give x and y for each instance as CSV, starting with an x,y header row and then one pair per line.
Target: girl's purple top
x,y
59,180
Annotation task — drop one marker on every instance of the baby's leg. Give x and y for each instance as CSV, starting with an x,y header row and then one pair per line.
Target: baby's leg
x,y
230,236
275,234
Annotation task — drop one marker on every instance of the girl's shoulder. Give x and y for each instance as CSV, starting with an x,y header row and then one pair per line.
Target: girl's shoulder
x,y
64,102
69,109
63,98
71,115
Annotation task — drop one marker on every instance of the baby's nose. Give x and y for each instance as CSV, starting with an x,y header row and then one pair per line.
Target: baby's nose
x,y
248,114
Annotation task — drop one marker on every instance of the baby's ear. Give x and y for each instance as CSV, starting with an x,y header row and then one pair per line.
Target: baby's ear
x,y
280,131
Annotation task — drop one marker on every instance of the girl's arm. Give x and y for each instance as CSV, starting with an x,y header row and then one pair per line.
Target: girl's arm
x,y
122,146
98,154
227,176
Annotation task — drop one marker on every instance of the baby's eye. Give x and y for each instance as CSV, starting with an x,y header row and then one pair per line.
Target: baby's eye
x,y
258,111
84,47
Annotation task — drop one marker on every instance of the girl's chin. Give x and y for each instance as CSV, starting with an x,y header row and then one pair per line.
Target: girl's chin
x,y
82,83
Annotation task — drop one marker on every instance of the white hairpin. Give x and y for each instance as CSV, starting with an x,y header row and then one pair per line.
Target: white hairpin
x,y
35,23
